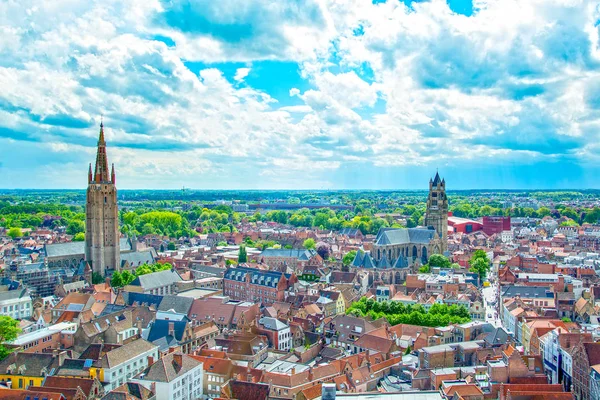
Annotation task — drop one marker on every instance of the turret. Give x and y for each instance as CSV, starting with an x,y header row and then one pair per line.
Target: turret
x,y
90,174
112,174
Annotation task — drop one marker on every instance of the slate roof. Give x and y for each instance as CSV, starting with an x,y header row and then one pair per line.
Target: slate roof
x,y
497,337
126,352
157,279
13,294
272,324
129,391
392,236
179,304
168,368
160,329
134,298
138,258
437,180
257,276
33,364
76,248
300,254
526,292
349,231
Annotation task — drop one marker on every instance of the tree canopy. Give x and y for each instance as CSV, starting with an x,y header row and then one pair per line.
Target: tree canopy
x,y
9,330
398,313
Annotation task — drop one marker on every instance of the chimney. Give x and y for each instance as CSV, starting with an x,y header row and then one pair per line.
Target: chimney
x,y
531,364
62,356
172,329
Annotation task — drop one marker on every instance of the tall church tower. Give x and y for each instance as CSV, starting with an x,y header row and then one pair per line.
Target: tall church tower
x,y
436,215
102,250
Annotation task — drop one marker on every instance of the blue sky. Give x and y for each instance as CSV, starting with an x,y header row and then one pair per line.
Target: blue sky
x,y
301,94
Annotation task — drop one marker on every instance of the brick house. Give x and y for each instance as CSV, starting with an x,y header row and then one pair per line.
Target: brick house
x,y
255,285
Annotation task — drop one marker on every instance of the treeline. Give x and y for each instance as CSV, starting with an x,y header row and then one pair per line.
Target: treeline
x,y
398,313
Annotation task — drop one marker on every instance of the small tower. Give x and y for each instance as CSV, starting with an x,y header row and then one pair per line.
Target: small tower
x,y
436,216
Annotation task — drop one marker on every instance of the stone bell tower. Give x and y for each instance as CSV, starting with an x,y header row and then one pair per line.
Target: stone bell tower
x,y
436,215
102,250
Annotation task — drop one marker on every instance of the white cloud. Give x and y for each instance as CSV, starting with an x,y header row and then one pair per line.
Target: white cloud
x,y
241,73
384,84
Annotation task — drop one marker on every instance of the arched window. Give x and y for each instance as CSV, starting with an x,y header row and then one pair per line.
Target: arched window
x,y
424,255
414,253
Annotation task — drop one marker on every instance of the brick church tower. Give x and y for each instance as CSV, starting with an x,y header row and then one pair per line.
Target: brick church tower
x,y
436,215
102,250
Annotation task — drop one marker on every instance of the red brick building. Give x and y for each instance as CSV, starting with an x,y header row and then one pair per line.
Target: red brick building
x,y
493,225
255,285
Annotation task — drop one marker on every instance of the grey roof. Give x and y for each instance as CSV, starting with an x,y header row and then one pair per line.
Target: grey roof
x,y
358,259
383,262
65,249
498,336
168,368
138,258
126,352
13,294
257,276
393,236
527,292
401,262
437,180
272,324
179,304
33,363
76,248
300,254
134,298
157,279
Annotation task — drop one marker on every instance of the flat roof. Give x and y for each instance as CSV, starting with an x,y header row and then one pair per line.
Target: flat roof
x,y
42,333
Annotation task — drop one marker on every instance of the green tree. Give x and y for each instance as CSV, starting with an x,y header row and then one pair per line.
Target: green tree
x,y
117,280
79,237
127,277
171,246
425,269
242,256
438,260
309,244
15,233
97,278
75,226
349,257
9,330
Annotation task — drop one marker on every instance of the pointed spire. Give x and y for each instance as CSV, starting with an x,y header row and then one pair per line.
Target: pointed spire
x,y
101,171
90,174
112,174
437,180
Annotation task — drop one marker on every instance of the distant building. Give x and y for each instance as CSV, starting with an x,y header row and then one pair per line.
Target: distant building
x,y
255,285
494,225
293,258
16,303
175,376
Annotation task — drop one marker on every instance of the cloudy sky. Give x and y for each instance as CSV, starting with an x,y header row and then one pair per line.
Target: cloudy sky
x,y
256,94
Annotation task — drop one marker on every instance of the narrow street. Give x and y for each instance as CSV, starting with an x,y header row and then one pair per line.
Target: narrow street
x,y
490,302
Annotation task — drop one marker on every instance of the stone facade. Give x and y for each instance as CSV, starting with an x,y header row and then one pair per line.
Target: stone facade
x,y
102,249
436,215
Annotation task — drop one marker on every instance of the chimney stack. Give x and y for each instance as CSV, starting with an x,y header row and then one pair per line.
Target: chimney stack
x,y
172,329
